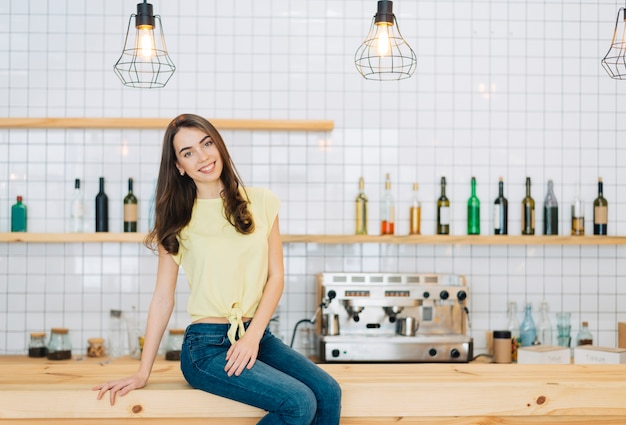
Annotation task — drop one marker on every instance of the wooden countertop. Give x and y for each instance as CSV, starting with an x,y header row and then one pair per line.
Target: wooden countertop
x,y
38,390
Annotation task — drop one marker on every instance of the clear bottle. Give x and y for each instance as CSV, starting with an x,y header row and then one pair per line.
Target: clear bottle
x,y
528,212
361,209
550,212
388,210
18,216
528,331
514,327
152,206
545,327
415,213
473,211
578,214
77,212
115,339
37,345
443,211
584,337
600,212
102,209
130,209
60,345
500,212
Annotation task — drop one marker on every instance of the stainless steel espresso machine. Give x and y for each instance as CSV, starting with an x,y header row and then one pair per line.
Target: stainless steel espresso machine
x,y
386,317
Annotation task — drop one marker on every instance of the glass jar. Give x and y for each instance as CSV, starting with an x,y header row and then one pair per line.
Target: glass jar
x,y
59,346
174,344
96,347
37,345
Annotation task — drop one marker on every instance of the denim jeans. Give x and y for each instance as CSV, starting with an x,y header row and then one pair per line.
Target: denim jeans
x,y
290,387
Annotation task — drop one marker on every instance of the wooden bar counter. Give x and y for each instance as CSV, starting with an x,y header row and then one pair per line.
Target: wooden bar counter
x,y
36,391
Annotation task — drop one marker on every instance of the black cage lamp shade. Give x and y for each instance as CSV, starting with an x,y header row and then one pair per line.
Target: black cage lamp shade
x,y
385,54
614,62
144,62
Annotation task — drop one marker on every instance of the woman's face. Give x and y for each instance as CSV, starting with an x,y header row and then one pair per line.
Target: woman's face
x,y
198,157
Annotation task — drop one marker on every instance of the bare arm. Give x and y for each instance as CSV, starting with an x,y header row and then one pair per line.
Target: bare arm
x,y
161,308
243,352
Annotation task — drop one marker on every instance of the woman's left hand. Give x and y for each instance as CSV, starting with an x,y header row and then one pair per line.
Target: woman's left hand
x,y
242,354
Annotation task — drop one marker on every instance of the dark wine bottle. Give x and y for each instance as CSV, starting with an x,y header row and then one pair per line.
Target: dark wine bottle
x,y
473,212
443,211
600,212
130,209
500,212
550,212
528,212
102,209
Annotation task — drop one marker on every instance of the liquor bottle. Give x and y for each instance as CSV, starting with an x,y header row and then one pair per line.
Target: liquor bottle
x,y
473,212
545,327
584,337
550,212
130,209
528,212
387,211
528,331
361,209
513,326
578,214
415,213
77,212
102,209
18,216
443,211
500,212
600,212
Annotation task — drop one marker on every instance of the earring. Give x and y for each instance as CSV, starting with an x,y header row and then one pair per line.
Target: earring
x,y
182,173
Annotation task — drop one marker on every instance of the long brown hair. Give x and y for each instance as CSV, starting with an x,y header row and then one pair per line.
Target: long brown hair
x,y
176,194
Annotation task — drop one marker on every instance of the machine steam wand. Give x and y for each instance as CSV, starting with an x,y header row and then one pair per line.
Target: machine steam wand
x,y
325,303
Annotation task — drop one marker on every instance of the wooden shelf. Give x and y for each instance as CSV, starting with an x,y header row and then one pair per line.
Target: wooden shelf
x,y
161,123
30,237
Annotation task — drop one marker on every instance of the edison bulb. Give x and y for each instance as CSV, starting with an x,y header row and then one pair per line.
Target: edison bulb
x,y
383,45
146,41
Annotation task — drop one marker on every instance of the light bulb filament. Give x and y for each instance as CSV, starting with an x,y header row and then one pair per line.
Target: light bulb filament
x,y
146,42
383,45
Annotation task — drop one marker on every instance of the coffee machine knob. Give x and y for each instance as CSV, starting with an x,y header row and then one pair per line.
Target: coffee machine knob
x,y
461,295
454,353
335,353
432,352
356,317
426,294
444,295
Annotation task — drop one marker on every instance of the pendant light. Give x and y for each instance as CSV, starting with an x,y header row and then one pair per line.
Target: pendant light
x,y
144,62
614,61
385,55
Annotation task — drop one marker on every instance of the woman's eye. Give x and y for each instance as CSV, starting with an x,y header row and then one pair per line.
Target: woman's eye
x,y
208,143
187,154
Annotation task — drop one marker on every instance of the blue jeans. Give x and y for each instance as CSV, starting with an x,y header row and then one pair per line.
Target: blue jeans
x,y
290,387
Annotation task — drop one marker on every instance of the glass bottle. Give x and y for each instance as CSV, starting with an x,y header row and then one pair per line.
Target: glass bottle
x,y
361,209
130,209
545,327
514,327
600,212
18,216
174,344
152,206
550,212
528,212
528,331
578,214
102,209
473,212
500,211
37,345
443,211
77,212
584,337
415,212
387,212
60,345
115,340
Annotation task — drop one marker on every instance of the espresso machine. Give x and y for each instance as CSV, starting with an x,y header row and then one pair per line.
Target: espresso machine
x,y
393,317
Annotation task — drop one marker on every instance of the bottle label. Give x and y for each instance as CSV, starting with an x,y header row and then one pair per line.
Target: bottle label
x,y
444,216
130,212
600,214
497,211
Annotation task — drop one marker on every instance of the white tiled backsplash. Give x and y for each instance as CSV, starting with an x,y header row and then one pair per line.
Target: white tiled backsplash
x,y
505,88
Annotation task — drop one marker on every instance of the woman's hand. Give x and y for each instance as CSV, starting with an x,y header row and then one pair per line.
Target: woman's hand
x,y
119,387
242,354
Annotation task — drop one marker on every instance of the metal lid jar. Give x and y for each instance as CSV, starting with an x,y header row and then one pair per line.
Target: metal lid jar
x,y
60,345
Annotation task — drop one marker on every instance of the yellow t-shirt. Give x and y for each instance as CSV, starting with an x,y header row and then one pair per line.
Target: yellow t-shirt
x,y
226,271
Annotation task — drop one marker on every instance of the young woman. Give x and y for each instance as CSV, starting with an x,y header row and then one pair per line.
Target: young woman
x,y
227,240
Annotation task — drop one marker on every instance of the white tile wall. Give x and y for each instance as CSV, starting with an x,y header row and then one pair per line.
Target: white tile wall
x,y
506,88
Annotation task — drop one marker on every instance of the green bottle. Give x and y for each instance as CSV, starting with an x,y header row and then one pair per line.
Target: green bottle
x,y
473,212
18,216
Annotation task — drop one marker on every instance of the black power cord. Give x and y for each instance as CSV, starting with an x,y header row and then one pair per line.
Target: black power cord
x,y
331,295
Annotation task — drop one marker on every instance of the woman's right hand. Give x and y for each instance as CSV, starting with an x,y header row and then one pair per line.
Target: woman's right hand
x,y
119,387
